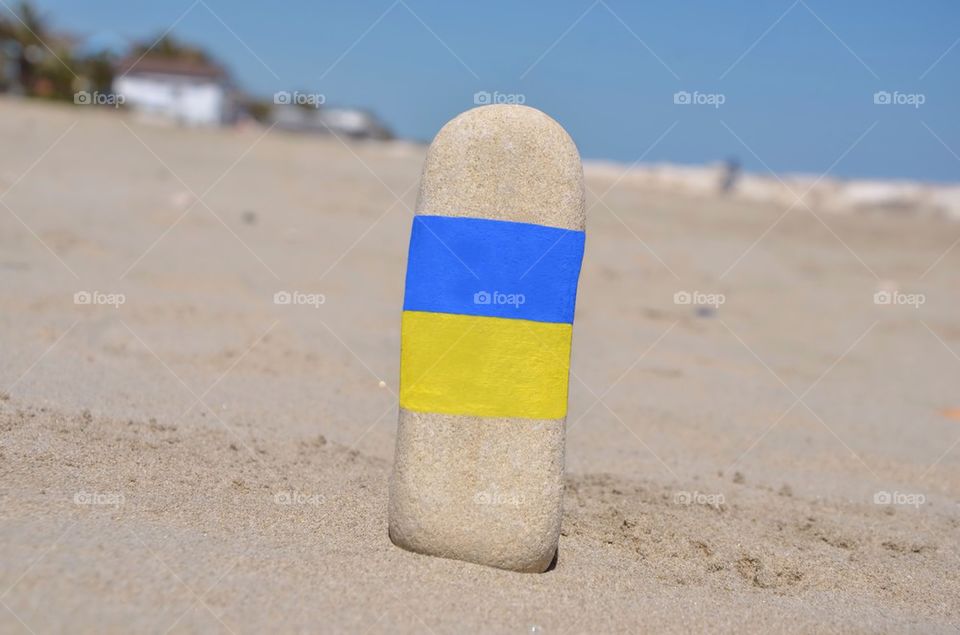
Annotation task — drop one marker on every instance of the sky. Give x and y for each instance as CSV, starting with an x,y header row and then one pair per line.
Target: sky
x,y
780,85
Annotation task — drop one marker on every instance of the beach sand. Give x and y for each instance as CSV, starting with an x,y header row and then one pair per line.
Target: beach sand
x,y
202,459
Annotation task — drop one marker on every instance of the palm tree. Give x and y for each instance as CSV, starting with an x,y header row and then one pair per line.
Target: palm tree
x,y
26,36
45,65
98,70
26,31
6,30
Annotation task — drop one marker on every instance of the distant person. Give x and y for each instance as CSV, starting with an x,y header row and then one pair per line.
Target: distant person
x,y
731,172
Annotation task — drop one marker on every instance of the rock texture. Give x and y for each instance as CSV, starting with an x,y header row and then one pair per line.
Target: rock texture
x,y
489,490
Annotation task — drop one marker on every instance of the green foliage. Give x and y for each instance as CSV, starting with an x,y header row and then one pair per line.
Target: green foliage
x,y
259,109
171,48
42,63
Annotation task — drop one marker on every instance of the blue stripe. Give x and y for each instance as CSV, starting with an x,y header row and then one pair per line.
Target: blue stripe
x,y
477,266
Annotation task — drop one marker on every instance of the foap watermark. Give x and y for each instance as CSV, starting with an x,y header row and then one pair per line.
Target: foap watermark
x,y
297,98
699,298
494,496
884,497
485,98
299,298
696,98
295,497
99,298
896,98
698,498
97,98
894,298
84,497
512,299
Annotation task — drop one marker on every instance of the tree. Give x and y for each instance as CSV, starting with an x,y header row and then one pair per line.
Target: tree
x,y
26,33
98,70
169,47
45,64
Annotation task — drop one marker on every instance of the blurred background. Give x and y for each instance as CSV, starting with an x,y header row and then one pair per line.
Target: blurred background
x,y
783,86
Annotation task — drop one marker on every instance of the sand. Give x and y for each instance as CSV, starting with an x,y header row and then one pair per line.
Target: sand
x,y
201,459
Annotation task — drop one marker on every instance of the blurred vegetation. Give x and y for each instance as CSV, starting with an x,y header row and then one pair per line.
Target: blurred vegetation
x,y
36,62
258,109
170,48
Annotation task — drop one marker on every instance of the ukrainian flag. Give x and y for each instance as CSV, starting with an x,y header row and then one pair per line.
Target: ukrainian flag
x,y
488,317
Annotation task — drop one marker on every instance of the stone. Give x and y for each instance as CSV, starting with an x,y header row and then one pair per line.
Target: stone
x,y
479,483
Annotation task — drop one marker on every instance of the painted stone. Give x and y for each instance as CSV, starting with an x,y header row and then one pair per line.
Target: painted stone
x,y
495,253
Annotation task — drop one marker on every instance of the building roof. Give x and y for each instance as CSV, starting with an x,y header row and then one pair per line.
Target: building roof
x,y
160,65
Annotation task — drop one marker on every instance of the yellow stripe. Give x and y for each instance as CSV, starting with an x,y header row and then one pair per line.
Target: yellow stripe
x,y
484,366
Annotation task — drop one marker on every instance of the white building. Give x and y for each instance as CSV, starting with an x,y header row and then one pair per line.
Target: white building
x,y
183,91
350,122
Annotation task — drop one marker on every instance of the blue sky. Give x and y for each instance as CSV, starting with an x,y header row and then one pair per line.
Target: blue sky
x,y
797,78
